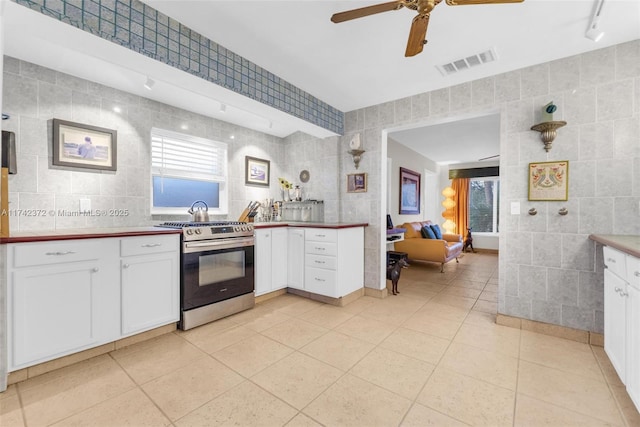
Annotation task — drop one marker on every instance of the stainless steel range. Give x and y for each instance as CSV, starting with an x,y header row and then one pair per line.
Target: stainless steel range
x,y
217,271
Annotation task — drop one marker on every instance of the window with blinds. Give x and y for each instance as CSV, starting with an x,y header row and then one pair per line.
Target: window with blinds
x,y
184,169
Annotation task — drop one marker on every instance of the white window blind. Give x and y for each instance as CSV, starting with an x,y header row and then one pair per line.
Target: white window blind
x,y
185,156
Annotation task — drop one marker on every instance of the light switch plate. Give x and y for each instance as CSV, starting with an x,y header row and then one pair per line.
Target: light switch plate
x,y
515,208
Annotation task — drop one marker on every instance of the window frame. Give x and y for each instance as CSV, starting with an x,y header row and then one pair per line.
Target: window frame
x,y
496,205
222,180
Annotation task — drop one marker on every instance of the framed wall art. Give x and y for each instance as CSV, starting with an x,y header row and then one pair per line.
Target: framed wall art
x,y
409,192
84,146
256,171
357,183
548,181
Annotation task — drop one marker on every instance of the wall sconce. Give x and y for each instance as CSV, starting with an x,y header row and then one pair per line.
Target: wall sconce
x,y
548,128
356,152
448,204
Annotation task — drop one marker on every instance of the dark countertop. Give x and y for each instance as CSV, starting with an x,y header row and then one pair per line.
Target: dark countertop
x,y
85,233
625,243
334,225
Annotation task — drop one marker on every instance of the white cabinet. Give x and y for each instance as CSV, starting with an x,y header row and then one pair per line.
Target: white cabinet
x,y
71,295
61,296
270,259
334,261
622,318
150,295
295,263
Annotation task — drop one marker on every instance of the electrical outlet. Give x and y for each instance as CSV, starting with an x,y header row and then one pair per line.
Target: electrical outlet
x,y
515,208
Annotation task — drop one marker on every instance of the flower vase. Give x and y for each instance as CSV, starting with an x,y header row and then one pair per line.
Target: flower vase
x,y
285,195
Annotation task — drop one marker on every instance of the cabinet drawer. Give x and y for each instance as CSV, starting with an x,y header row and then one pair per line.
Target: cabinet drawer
x,y
27,254
321,235
633,271
320,281
321,248
615,261
144,245
320,261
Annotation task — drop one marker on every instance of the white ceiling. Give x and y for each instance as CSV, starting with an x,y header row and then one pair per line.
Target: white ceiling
x,y
348,65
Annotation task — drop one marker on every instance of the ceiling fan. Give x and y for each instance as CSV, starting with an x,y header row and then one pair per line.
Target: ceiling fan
x,y
419,26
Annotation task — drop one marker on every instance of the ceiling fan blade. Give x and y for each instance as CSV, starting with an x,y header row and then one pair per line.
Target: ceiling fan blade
x,y
365,11
417,35
466,2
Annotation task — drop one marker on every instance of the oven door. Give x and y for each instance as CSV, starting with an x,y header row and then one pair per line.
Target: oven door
x,y
217,270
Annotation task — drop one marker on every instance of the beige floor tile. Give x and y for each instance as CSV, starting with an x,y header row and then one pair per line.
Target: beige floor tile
x,y
299,307
566,355
486,306
267,320
473,401
421,416
301,420
425,322
416,344
492,367
355,402
210,343
415,292
209,329
469,284
394,371
185,389
629,411
444,311
297,379
491,287
481,318
608,371
339,350
73,392
489,296
532,412
296,333
148,360
327,316
501,339
11,391
10,411
568,390
455,301
245,405
252,355
395,309
361,304
461,292
428,286
132,408
368,330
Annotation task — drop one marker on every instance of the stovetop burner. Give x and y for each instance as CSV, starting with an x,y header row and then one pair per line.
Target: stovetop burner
x,y
210,230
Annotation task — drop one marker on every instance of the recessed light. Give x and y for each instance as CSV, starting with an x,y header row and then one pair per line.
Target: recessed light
x,y
232,137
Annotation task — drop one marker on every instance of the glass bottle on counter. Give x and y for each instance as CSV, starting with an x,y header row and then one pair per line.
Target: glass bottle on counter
x,y
297,193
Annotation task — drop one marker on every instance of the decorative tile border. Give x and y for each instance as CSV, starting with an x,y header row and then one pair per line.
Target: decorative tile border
x,y
143,29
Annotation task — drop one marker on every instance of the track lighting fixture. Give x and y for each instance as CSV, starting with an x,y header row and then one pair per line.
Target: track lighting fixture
x,y
149,83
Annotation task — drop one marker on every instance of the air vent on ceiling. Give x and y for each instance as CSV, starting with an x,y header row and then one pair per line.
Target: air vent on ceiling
x,y
468,62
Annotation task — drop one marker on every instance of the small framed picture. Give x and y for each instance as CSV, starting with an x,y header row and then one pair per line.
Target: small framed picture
x,y
84,146
548,181
409,192
357,183
256,171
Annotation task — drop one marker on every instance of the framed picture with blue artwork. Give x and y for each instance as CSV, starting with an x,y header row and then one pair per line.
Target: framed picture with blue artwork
x,y
84,146
256,171
409,192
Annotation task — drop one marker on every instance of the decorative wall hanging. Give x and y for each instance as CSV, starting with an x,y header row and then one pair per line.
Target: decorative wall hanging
x,y
357,183
548,181
84,146
256,171
409,192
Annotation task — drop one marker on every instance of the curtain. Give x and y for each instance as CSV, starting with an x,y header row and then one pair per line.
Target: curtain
x,y
461,210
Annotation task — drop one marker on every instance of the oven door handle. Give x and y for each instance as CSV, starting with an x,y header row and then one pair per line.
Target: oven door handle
x,y
190,247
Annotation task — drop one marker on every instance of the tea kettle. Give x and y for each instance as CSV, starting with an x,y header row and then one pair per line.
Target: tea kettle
x,y
200,214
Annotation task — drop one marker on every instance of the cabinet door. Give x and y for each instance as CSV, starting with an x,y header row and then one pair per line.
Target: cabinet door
x,y
150,291
295,262
279,244
633,345
54,311
615,321
263,261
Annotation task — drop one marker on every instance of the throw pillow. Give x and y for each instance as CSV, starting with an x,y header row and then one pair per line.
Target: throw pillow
x,y
427,232
436,231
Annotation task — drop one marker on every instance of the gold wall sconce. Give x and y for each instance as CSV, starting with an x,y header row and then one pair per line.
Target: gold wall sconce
x,y
356,149
548,128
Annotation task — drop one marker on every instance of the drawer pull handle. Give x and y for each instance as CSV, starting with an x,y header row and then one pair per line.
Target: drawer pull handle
x,y
319,280
617,289
95,269
319,262
320,249
624,294
223,290
321,235
125,265
60,253
611,260
151,245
